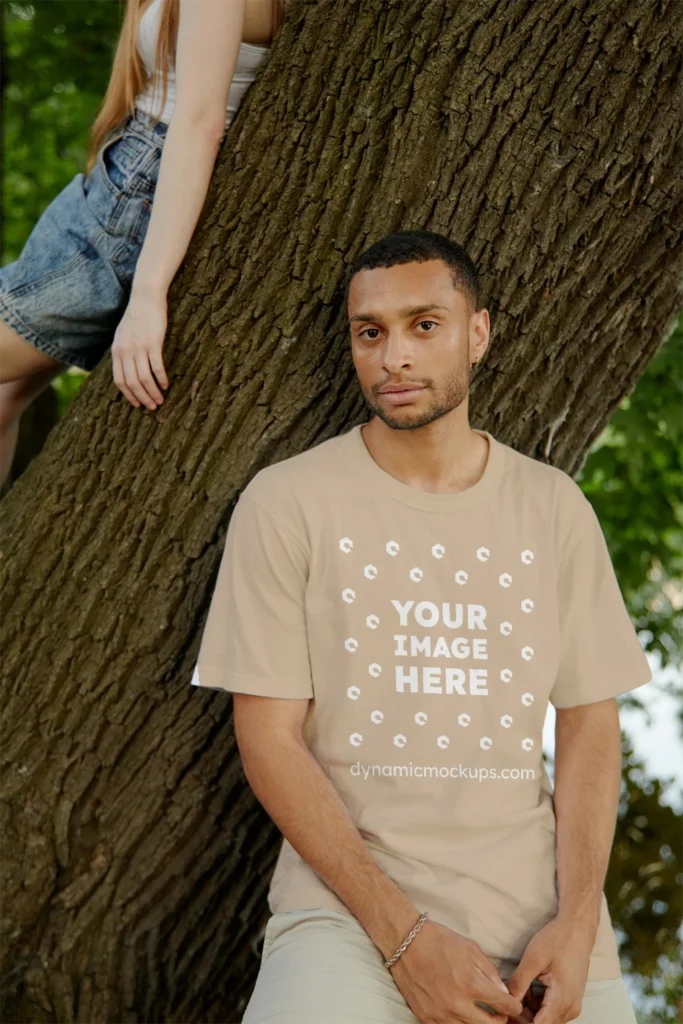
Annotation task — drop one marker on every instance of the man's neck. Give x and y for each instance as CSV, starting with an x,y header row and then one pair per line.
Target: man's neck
x,y
443,457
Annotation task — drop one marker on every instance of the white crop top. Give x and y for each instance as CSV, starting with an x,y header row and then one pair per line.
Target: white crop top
x,y
249,57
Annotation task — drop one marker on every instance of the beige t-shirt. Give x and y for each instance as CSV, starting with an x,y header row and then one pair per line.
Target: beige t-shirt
x,y
430,631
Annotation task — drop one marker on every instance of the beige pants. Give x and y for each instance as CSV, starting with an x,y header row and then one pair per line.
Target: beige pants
x,y
321,967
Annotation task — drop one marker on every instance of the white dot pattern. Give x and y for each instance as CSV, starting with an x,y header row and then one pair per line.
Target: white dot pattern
x,y
461,578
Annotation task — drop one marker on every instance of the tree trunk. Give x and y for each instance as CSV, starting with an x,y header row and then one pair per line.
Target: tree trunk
x,y
542,137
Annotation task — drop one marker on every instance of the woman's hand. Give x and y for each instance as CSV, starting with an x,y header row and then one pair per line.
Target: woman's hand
x,y
136,350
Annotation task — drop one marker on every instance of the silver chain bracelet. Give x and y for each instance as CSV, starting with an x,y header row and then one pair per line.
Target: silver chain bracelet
x,y
406,942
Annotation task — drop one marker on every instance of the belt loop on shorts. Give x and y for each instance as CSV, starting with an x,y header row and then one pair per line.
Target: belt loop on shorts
x,y
145,119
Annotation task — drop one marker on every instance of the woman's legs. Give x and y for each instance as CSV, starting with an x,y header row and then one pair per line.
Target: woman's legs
x,y
25,371
20,359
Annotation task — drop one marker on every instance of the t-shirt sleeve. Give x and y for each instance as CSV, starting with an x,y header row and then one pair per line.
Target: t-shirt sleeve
x,y
255,637
600,654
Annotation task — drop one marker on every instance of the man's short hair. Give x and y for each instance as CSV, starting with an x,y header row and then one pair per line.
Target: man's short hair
x,y
419,246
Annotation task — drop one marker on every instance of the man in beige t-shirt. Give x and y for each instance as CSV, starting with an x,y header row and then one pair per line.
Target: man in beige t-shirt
x,y
424,590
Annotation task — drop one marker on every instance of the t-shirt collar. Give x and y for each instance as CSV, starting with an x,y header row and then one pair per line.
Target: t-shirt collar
x,y
428,501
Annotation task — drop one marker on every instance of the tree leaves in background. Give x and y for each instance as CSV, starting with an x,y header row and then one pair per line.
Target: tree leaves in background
x,y
634,480
57,60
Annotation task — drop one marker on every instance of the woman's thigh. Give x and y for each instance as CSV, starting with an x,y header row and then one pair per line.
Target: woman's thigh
x,y
21,362
321,967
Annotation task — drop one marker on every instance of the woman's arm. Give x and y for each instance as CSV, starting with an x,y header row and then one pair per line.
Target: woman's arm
x,y
209,36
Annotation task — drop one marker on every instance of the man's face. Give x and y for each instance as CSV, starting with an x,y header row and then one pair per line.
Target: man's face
x,y
408,324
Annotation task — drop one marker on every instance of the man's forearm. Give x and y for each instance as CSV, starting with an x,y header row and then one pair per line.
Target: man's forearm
x,y
587,784
292,787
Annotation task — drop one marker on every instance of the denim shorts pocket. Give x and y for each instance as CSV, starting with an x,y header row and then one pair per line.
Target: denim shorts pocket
x,y
129,164
115,181
113,172
119,191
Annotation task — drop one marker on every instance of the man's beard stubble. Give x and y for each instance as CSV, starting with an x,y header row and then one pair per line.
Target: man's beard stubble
x,y
454,391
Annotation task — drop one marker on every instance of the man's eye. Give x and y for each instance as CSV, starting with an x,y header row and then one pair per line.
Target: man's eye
x,y
428,322
366,332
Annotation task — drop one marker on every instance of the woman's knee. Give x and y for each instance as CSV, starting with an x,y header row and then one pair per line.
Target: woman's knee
x,y
20,360
17,395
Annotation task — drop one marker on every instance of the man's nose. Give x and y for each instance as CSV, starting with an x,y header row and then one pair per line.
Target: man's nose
x,y
397,352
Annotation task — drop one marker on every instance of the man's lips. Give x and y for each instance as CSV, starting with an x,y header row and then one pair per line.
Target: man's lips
x,y
401,394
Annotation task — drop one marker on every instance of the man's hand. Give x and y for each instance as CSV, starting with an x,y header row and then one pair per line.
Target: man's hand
x,y
558,955
446,977
136,350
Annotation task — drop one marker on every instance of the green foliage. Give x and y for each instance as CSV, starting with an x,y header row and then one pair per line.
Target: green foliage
x,y
644,881
67,385
56,66
58,56
634,479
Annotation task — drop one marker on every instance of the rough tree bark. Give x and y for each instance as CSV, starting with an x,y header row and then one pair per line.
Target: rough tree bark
x,y
543,137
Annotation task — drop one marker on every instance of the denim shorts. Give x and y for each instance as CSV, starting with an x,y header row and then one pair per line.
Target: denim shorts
x,y
68,289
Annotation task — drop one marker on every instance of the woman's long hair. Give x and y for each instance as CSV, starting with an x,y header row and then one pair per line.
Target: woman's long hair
x,y
128,75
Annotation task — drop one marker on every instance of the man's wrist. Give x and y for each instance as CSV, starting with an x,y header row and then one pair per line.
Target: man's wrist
x,y
583,913
389,919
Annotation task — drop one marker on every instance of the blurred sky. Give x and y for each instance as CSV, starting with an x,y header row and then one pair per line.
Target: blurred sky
x,y
658,742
